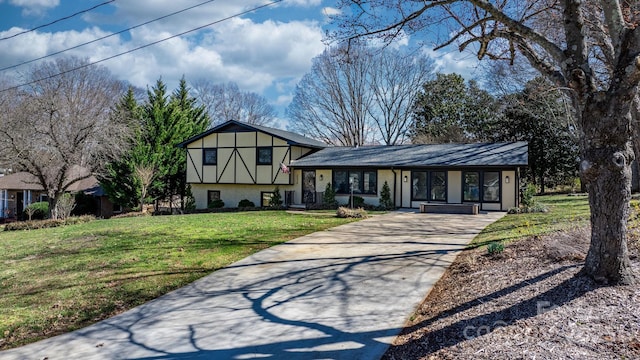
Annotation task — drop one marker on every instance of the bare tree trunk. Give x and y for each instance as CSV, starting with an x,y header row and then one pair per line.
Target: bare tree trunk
x,y
606,167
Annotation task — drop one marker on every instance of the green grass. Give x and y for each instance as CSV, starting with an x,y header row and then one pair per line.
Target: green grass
x,y
60,279
564,212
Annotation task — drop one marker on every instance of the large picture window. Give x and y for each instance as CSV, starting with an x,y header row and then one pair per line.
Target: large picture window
x,y
364,182
419,185
264,156
429,185
491,186
210,156
438,184
471,186
482,186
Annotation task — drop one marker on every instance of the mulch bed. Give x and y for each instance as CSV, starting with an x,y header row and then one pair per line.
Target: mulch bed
x,y
528,302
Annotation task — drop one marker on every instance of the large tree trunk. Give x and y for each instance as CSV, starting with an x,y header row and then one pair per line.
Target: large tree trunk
x,y
606,167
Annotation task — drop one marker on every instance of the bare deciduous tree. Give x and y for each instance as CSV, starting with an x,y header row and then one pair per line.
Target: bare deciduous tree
x,y
331,102
589,48
395,79
144,174
58,128
358,95
227,102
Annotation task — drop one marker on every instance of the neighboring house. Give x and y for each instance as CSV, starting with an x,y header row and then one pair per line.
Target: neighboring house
x,y
236,161
20,189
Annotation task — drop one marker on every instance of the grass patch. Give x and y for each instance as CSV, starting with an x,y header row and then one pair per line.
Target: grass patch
x,y
564,212
56,280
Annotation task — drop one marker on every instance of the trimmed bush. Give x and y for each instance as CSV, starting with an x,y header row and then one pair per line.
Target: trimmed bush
x,y
329,197
345,212
358,202
276,199
244,203
385,198
39,210
216,204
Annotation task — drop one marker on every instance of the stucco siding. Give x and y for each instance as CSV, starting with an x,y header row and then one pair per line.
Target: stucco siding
x,y
509,190
454,187
194,165
246,139
231,194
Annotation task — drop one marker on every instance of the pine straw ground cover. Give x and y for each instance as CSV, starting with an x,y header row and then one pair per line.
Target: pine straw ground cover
x,y
528,302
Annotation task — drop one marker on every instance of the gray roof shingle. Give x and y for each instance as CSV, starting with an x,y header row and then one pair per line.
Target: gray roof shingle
x,y
431,155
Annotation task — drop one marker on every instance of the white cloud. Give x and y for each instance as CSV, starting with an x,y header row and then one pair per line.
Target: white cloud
x,y
34,7
331,11
449,61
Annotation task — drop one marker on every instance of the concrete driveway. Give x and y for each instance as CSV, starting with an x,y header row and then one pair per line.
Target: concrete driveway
x,y
344,293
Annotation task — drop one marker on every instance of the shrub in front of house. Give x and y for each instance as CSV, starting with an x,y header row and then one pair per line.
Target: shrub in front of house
x,y
48,223
345,212
38,210
358,202
276,199
329,197
385,198
216,204
245,203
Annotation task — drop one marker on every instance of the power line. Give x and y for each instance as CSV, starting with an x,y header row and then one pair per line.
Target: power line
x,y
104,37
57,20
143,46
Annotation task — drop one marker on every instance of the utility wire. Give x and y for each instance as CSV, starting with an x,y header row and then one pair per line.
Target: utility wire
x,y
143,46
58,20
104,37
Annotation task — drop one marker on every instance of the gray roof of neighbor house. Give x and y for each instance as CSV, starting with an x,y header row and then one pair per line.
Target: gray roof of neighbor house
x,y
238,126
412,156
20,181
27,181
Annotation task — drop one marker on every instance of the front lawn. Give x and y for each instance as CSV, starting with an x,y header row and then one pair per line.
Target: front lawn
x,y
564,213
56,280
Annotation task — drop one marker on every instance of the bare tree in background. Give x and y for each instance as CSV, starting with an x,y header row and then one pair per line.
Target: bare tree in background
x,y
395,80
359,95
144,174
227,102
332,101
58,128
591,49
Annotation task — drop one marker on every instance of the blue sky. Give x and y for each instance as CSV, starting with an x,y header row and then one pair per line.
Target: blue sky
x,y
266,52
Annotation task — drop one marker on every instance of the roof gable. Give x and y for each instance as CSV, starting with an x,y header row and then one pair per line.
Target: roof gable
x,y
237,126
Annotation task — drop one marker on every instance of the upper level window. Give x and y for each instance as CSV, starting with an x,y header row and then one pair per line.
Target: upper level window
x,y
264,156
210,156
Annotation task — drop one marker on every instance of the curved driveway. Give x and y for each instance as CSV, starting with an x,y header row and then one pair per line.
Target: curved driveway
x,y
344,293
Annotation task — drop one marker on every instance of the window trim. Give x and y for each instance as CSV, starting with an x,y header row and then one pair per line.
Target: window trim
x,y
209,192
429,180
262,193
258,149
499,187
481,177
479,200
204,156
361,185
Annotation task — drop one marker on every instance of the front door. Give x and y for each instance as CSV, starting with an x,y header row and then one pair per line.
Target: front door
x,y
308,186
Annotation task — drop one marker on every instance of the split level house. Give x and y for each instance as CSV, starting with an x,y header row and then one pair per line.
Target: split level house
x,y
235,161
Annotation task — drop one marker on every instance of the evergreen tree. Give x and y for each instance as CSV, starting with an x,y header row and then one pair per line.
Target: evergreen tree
x,y
386,203
329,197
